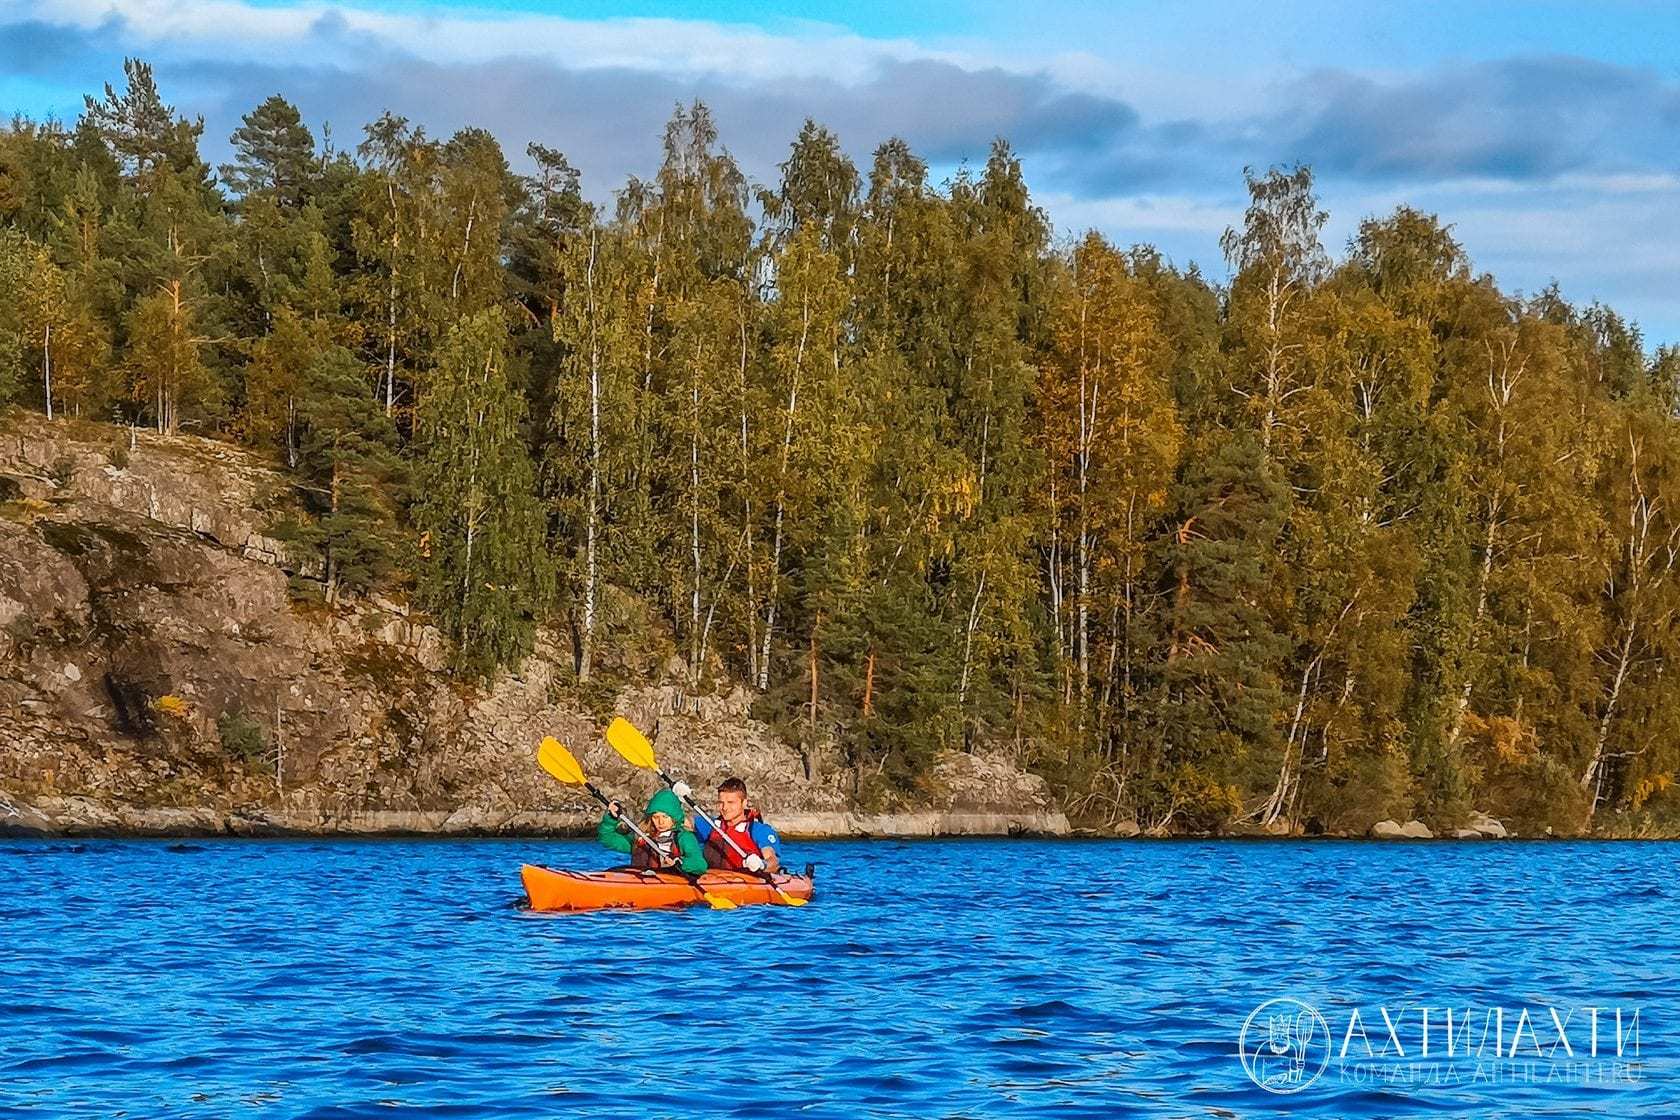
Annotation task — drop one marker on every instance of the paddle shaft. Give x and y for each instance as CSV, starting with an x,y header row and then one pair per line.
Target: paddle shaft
x,y
676,867
715,826
727,839
623,737
694,807
621,817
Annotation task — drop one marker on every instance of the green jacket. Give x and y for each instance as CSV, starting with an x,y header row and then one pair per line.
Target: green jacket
x,y
693,859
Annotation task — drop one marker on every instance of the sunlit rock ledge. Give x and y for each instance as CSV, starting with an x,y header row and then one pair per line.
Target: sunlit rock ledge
x,y
81,816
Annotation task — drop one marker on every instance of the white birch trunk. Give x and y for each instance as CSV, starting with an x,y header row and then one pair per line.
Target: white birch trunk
x,y
694,526
753,660
46,365
781,498
968,642
1642,514
391,307
587,646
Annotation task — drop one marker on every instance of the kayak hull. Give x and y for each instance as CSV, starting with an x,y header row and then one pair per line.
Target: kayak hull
x,y
621,889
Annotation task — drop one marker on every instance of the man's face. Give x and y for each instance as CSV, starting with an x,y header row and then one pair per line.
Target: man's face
x,y
731,804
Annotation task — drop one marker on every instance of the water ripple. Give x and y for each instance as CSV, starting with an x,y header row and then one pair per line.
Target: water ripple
x,y
963,979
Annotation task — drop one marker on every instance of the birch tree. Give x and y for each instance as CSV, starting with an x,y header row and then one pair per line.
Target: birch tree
x,y
1642,589
592,457
482,570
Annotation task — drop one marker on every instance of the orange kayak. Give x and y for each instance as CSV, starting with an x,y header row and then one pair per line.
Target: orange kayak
x,y
623,889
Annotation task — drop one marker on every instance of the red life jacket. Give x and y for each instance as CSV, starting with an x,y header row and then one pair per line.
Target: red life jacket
x,y
718,851
667,858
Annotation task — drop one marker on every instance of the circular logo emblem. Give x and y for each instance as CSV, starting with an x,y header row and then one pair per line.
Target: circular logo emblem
x,y
1285,1045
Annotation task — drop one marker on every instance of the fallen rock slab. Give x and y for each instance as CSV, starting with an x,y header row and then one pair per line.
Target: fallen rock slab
x,y
927,823
23,820
1394,830
1488,826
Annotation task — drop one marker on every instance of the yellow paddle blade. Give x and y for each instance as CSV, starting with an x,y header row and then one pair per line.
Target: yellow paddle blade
x,y
623,737
558,761
787,899
718,902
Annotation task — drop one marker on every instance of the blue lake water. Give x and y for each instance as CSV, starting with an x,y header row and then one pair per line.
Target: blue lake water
x,y
933,979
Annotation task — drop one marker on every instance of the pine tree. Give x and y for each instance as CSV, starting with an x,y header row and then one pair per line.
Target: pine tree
x,y
37,170
149,141
1220,671
274,155
350,475
552,218
15,257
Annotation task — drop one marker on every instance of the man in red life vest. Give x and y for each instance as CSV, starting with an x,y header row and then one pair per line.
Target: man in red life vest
x,y
745,826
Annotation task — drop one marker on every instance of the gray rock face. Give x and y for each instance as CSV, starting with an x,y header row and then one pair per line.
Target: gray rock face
x,y
156,675
1466,834
22,819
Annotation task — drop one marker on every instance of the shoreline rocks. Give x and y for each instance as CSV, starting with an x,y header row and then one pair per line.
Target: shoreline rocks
x,y
83,817
1480,827
1392,830
1486,826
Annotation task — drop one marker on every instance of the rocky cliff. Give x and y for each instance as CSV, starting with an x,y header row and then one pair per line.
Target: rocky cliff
x,y
159,674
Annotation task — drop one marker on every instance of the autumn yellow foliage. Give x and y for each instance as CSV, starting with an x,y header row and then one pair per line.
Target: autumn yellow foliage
x,y
171,705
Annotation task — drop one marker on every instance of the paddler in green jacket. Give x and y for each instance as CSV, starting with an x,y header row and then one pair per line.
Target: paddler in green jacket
x,y
675,846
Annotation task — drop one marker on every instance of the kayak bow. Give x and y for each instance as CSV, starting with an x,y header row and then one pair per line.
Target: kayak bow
x,y
624,889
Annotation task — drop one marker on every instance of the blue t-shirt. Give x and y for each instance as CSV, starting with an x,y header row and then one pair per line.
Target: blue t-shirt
x,y
762,834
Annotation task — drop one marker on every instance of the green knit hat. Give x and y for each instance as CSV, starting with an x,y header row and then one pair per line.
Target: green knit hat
x,y
665,802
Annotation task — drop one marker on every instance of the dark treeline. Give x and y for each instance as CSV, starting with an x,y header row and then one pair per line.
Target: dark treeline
x,y
1341,540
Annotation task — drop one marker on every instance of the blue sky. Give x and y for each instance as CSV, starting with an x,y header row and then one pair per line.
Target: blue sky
x,y
1547,134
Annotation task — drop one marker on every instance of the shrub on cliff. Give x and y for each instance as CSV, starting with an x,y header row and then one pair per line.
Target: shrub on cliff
x,y
242,737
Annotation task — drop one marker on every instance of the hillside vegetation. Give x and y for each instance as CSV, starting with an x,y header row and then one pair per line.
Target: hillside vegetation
x,y
1347,537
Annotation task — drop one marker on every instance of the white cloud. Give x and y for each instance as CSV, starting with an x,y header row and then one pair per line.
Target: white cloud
x,y
1547,166
338,32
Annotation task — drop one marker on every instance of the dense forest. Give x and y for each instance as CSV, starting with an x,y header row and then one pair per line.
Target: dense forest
x,y
1336,539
